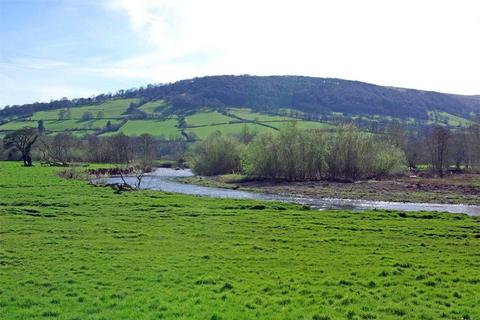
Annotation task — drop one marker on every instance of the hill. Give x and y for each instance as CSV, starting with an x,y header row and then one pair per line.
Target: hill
x,y
197,107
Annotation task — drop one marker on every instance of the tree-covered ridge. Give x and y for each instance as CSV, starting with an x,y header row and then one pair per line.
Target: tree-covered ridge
x,y
306,94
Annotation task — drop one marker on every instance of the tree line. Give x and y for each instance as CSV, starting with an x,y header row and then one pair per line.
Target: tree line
x,y
29,144
345,154
294,154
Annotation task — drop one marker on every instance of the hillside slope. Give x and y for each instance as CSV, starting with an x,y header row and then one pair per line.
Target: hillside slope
x,y
313,95
197,107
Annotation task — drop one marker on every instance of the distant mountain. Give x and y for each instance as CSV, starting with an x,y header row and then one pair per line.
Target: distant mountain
x,y
306,94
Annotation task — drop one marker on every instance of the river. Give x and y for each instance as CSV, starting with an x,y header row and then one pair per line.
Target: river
x,y
164,179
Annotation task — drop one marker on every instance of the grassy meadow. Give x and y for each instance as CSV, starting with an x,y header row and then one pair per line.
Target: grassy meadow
x,y
69,250
111,109
202,123
247,114
207,118
226,129
152,106
168,128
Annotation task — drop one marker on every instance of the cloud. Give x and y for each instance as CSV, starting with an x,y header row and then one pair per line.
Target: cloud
x,y
36,63
156,21
428,44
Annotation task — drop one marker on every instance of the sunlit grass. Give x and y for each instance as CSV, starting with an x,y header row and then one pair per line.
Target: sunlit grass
x,y
111,109
69,250
207,118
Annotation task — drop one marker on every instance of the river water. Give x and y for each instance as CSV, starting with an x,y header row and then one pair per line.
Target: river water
x,y
165,180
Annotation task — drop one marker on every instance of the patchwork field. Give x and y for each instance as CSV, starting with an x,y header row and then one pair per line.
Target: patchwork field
x,y
202,123
444,118
151,107
302,125
234,128
167,128
248,114
15,125
207,118
110,109
152,255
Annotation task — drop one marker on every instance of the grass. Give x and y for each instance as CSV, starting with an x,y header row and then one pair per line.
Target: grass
x,y
234,128
62,125
207,118
69,250
201,123
18,124
111,109
151,107
167,128
305,125
440,117
248,114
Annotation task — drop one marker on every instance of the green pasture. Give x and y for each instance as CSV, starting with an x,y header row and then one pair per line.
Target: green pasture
x,y
111,109
69,250
248,114
152,106
167,128
207,118
234,128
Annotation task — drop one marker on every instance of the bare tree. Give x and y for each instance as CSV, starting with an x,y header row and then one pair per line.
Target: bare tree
x,y
458,149
122,148
437,144
22,140
473,147
146,148
56,150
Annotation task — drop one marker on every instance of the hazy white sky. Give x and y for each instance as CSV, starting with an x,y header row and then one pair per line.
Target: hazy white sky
x,y
55,48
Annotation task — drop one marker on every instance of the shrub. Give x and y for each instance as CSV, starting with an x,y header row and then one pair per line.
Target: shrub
x,y
347,154
215,155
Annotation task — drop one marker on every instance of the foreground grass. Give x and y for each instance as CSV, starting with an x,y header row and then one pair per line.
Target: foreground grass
x,y
73,251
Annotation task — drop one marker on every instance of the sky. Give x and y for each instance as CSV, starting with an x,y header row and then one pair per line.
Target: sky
x,y
51,49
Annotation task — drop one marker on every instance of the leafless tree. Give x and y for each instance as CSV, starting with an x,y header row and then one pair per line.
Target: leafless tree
x,y
121,148
56,150
437,144
473,146
146,147
458,148
415,152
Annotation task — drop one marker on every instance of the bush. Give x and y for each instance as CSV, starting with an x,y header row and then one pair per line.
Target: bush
x,y
347,154
388,160
291,154
215,155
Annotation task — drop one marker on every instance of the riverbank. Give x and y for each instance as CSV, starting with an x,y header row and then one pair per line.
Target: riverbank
x,y
455,189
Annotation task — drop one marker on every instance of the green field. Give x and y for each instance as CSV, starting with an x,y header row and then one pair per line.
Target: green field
x,y
110,109
150,107
202,122
62,125
69,250
436,117
15,125
234,128
305,125
248,114
207,118
167,128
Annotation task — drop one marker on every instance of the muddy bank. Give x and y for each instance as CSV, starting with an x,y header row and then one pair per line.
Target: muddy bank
x,y
456,189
